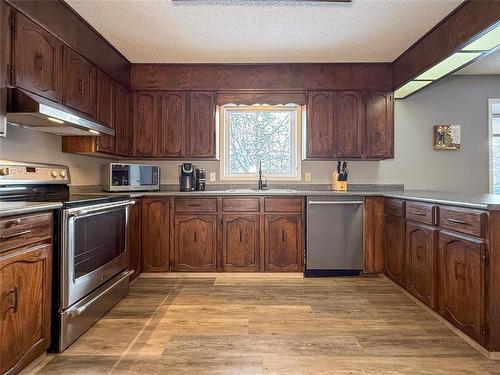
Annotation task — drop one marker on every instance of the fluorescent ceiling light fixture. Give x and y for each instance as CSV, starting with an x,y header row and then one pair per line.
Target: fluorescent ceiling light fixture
x,y
410,88
448,65
486,42
55,120
94,131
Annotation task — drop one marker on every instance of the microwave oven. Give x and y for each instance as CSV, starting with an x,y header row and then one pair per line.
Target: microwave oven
x,y
130,177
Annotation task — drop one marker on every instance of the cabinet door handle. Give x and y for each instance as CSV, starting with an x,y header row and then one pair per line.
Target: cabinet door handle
x,y
418,213
282,235
241,237
5,236
39,61
15,299
457,273
194,236
80,85
456,221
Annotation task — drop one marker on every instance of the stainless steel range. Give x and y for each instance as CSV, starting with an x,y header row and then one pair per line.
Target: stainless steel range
x,y
90,251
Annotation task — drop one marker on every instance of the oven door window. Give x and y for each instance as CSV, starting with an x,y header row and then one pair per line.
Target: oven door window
x,y
99,238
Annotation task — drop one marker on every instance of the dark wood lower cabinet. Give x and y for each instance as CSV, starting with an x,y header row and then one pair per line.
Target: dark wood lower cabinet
x,y
155,234
421,265
25,298
394,248
283,243
240,243
195,238
462,283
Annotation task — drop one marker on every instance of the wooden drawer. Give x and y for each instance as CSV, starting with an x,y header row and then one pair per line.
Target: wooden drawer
x,y
19,231
394,207
421,212
240,205
196,205
463,220
283,204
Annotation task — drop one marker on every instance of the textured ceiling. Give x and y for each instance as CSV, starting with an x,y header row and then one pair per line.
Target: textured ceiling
x,y
486,65
239,31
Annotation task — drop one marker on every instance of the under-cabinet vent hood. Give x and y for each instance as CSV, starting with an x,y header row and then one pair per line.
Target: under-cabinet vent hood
x,y
31,111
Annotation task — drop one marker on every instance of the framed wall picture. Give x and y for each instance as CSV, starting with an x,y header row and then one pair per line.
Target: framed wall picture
x,y
447,137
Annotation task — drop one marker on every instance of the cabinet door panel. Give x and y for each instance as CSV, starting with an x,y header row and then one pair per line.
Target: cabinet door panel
x,y
240,248
462,283
379,125
349,115
79,83
394,246
195,242
25,292
172,124
283,243
319,126
38,59
202,125
145,123
421,262
155,235
105,103
123,127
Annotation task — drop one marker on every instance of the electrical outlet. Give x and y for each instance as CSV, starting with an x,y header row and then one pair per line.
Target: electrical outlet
x,y
307,176
213,176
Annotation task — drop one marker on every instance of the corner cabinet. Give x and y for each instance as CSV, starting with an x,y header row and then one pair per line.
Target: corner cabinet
x,y
379,125
155,234
105,102
394,249
145,123
123,127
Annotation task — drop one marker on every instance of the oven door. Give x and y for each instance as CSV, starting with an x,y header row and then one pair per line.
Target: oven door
x,y
94,248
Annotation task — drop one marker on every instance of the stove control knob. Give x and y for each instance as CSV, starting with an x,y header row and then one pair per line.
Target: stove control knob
x,y
62,173
54,174
4,171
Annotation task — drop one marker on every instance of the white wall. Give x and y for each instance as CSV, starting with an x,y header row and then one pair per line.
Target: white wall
x,y
461,100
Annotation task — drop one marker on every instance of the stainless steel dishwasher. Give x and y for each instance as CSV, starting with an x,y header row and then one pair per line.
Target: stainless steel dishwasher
x,y
334,235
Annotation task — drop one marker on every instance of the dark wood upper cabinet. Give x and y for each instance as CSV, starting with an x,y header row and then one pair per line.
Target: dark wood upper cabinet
x,y
195,243
105,109
155,235
462,283
283,242
79,83
421,265
202,134
319,126
379,125
349,117
123,128
37,59
240,243
172,124
394,248
145,123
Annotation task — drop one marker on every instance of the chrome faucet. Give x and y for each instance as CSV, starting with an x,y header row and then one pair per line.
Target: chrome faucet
x,y
261,184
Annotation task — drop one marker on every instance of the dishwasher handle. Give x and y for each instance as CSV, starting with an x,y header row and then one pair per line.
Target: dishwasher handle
x,y
311,203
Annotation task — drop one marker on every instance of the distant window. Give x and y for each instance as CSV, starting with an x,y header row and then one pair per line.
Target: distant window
x,y
260,134
495,145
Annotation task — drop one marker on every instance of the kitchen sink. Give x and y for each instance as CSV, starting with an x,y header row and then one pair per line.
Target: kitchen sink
x,y
246,191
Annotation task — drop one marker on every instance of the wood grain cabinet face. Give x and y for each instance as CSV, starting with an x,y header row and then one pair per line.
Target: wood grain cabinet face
x,y
379,125
202,142
394,248
105,104
79,83
172,124
134,238
319,126
123,133
155,235
283,243
421,268
145,123
195,243
350,120
240,243
37,59
462,279
25,297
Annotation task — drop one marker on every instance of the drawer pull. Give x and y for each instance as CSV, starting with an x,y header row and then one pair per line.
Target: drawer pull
x,y
15,299
194,205
418,213
14,223
456,221
5,236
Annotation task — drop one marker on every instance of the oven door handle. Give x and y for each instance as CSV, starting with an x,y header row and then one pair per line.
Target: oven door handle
x,y
79,311
100,207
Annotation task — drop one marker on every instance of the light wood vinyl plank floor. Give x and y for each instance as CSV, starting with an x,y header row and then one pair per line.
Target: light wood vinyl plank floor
x,y
268,325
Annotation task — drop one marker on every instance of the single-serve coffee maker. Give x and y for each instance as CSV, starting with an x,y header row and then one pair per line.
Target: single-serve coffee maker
x,y
191,178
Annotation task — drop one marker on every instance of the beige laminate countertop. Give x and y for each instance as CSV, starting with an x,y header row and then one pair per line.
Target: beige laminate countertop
x,y
19,208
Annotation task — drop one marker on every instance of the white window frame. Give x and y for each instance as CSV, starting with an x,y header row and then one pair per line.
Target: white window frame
x,y
224,141
490,139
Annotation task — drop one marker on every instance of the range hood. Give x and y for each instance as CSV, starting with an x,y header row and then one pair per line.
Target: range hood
x,y
31,111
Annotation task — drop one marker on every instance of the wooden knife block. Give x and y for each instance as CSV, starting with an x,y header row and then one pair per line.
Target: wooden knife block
x,y
338,185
